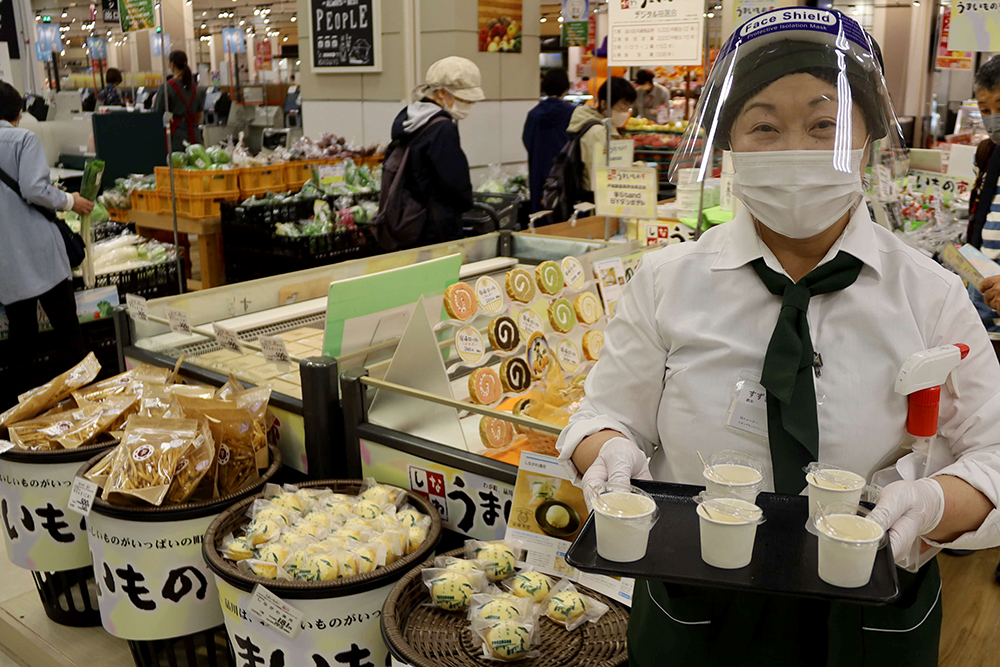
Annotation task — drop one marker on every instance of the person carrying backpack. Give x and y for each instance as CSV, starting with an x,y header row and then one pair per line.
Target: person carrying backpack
x,y
426,185
571,179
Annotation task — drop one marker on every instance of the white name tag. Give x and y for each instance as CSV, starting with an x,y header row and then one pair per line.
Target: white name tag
x,y
748,411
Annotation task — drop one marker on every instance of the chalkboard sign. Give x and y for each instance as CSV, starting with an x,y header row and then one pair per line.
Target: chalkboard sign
x,y
346,36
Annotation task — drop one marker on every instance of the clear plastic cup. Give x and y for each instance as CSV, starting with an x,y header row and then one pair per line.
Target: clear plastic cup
x,y
848,544
623,517
733,474
728,530
830,484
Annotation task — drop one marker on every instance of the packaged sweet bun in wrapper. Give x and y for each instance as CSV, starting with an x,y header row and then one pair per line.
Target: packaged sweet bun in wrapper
x,y
500,558
41,433
263,531
570,608
263,569
193,467
394,541
450,590
381,494
314,530
530,584
410,516
490,606
291,497
370,555
463,565
236,548
149,453
262,509
416,535
508,640
36,401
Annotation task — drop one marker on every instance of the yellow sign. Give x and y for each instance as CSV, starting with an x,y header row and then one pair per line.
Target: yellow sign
x,y
626,193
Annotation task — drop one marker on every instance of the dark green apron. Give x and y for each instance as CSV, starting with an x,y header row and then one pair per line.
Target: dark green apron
x,y
700,627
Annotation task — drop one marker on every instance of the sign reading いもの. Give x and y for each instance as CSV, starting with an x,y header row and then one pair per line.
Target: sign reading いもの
x,y
346,37
975,25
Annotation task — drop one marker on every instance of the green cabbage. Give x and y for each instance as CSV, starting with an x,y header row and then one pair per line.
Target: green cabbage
x,y
198,156
179,159
218,155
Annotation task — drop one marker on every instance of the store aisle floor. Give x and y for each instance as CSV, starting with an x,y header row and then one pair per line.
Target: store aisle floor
x,y
971,599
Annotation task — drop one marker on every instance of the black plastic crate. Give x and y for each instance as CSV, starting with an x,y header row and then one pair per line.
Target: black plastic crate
x,y
150,282
505,207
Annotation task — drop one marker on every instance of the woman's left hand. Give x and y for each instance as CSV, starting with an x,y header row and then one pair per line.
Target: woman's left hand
x,y
908,510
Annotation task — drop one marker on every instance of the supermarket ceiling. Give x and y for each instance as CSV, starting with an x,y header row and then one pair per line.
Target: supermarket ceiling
x,y
210,16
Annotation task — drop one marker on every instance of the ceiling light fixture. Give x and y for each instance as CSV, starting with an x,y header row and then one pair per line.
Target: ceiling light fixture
x,y
294,19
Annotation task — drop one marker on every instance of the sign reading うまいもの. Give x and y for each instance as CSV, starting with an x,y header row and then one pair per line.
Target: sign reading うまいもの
x,y
345,36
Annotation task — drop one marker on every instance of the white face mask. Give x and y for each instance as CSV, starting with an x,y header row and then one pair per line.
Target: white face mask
x,y
992,123
619,118
461,109
797,194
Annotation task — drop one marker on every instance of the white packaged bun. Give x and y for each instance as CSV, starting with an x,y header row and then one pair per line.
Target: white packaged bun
x,y
500,558
507,640
451,591
499,607
263,569
531,584
570,608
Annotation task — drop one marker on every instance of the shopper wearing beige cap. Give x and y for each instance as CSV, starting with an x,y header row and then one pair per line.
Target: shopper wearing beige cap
x,y
435,178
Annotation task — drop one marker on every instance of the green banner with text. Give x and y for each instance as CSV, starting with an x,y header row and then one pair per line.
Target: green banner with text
x,y
136,15
574,33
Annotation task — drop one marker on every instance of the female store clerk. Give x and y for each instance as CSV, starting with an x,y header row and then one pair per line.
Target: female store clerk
x,y
801,269
185,101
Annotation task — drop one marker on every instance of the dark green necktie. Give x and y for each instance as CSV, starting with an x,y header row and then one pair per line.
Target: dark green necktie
x,y
792,425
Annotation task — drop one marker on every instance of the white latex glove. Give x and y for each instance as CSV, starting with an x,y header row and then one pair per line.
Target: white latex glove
x,y
908,510
618,462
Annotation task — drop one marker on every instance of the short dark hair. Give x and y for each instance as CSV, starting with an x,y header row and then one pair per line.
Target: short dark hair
x,y
988,76
556,82
113,76
643,77
621,89
10,102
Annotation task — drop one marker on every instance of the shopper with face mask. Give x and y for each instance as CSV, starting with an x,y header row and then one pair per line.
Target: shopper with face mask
x,y
804,296
436,172
590,118
984,201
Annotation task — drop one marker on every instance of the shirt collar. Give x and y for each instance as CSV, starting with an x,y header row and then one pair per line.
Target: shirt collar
x,y
743,245
5,123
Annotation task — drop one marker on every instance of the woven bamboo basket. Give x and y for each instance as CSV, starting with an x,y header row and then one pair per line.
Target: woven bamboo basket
x,y
423,636
235,519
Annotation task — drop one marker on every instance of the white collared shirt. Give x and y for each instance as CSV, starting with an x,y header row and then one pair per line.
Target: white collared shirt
x,y
695,316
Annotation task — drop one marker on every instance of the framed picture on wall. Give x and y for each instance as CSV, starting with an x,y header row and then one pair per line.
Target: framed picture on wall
x,y
345,38
500,26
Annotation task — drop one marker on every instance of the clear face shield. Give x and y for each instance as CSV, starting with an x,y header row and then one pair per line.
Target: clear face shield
x,y
797,109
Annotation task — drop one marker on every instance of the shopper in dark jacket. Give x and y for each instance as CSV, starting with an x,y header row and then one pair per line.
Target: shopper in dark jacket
x,y
110,96
437,171
545,131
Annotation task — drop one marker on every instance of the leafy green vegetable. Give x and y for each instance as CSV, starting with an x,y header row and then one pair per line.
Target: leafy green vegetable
x,y
91,185
105,309
99,214
179,160
198,157
218,155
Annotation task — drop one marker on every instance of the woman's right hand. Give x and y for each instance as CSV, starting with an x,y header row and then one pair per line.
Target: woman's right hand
x,y
81,206
619,462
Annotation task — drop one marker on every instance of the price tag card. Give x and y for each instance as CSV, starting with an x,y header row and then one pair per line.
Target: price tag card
x,y
6,446
136,306
179,322
81,496
274,349
227,338
275,612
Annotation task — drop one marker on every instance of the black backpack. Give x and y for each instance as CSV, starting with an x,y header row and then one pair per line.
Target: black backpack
x,y
563,187
400,218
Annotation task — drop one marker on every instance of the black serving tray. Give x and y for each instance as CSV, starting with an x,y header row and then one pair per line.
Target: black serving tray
x,y
784,553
